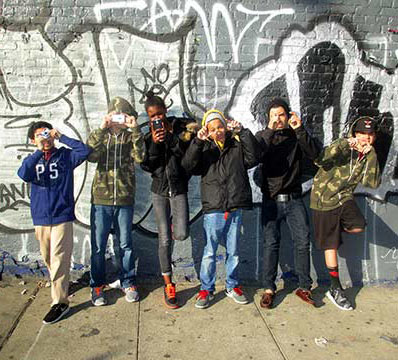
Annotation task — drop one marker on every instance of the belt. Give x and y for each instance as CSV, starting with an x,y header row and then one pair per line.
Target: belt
x,y
286,197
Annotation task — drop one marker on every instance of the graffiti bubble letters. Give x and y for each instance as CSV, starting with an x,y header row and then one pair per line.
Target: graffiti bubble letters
x,y
13,196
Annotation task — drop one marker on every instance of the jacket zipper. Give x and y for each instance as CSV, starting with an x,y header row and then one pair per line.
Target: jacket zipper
x,y
114,172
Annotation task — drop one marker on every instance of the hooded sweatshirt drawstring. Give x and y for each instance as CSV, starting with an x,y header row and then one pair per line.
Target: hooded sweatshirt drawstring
x,y
120,152
107,151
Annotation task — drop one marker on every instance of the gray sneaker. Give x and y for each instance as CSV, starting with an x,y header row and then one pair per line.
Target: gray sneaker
x,y
98,296
237,295
131,294
203,299
338,298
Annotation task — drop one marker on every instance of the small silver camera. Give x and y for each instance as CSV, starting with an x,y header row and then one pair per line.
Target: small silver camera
x,y
118,118
45,134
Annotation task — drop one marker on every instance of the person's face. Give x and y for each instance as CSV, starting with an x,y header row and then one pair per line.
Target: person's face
x,y
156,112
47,143
216,130
365,138
279,116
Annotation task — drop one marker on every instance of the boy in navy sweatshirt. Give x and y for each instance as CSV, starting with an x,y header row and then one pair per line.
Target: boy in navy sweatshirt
x,y
50,172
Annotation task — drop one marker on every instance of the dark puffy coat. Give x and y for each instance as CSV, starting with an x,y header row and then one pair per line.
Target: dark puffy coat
x,y
225,183
163,160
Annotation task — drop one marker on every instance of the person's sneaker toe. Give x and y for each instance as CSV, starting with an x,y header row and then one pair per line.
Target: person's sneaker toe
x,y
169,296
203,299
338,298
98,296
237,295
57,312
132,294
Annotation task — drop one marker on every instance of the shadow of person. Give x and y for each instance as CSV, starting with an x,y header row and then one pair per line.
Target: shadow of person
x,y
146,288
280,295
112,296
187,294
198,244
76,308
82,282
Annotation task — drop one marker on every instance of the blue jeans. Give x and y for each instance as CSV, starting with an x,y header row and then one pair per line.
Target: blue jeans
x,y
216,228
295,215
102,218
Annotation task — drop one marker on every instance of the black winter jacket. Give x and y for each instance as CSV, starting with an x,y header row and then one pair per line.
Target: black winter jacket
x,y
225,183
282,155
163,160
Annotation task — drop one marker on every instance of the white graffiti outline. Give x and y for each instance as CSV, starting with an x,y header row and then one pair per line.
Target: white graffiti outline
x,y
208,27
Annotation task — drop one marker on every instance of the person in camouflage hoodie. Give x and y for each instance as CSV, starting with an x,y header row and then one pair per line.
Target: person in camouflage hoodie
x,y
115,146
342,166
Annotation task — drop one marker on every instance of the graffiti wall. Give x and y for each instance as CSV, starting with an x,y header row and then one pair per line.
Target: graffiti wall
x,y
62,61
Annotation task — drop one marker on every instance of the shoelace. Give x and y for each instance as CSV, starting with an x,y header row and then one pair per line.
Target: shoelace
x,y
238,290
98,290
203,294
170,291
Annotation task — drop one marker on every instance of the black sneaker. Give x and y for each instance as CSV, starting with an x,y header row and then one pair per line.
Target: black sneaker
x,y
338,298
56,313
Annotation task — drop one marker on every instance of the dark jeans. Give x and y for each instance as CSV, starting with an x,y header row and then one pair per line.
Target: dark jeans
x,y
172,218
295,215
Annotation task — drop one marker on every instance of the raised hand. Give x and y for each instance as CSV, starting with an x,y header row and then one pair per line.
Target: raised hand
x,y
272,123
131,121
367,148
294,121
55,134
203,133
234,125
353,143
158,135
107,121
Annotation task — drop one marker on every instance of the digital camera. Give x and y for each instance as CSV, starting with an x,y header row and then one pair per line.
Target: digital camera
x,y
118,118
157,124
45,134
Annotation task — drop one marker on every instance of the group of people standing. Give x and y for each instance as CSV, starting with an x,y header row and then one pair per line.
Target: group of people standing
x,y
221,152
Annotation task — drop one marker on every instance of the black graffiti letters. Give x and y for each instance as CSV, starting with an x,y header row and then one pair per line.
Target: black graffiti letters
x,y
13,196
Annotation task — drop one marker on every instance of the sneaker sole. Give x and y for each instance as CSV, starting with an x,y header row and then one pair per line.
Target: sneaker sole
x,y
58,318
237,301
202,306
170,306
211,297
132,301
101,304
330,297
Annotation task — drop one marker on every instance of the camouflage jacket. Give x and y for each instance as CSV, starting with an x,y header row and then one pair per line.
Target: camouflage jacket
x,y
114,180
340,171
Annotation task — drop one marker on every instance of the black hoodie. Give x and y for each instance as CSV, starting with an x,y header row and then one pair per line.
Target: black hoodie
x,y
282,155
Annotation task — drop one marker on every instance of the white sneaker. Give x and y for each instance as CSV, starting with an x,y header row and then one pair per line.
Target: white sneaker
x,y
131,294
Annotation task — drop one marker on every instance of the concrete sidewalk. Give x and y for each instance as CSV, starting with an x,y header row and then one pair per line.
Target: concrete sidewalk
x,y
147,330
